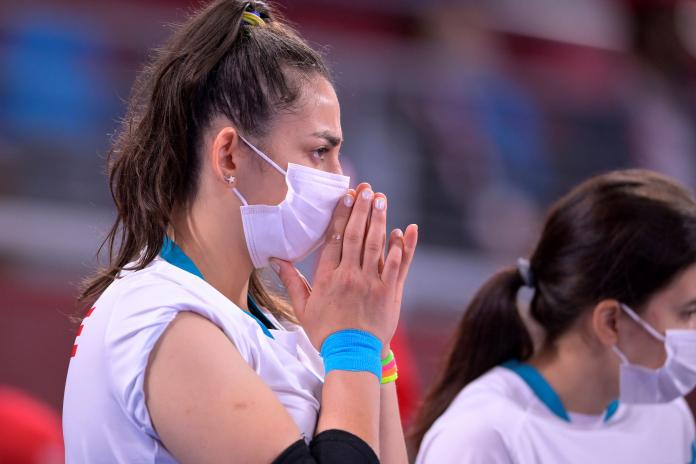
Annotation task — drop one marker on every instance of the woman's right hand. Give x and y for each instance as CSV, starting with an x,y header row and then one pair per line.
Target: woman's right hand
x,y
355,287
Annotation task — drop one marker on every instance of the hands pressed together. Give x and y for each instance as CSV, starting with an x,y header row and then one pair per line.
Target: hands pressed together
x,y
355,285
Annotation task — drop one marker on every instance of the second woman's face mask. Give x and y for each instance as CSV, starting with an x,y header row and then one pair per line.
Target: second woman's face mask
x,y
677,377
294,228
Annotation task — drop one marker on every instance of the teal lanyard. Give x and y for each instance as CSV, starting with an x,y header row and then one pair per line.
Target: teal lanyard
x,y
175,256
545,393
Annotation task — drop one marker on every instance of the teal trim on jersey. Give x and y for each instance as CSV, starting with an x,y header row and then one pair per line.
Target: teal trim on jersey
x,y
693,453
611,409
175,256
539,386
545,392
258,314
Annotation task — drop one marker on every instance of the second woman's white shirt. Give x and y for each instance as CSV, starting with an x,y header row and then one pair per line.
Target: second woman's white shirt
x,y
105,417
499,419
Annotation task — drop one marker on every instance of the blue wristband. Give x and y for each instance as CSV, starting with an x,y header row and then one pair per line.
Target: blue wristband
x,y
352,350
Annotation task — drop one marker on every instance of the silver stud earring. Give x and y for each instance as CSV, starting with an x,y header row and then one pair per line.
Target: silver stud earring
x,y
230,179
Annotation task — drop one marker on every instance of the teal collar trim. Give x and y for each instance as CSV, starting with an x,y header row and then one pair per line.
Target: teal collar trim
x,y
539,386
611,409
545,392
175,256
257,314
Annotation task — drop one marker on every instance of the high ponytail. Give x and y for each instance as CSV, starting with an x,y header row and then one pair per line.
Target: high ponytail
x,y
214,64
624,236
490,333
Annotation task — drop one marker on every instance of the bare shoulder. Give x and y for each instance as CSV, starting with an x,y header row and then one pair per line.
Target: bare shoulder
x,y
199,389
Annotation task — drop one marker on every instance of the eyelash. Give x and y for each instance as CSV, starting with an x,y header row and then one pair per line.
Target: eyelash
x,y
688,314
319,153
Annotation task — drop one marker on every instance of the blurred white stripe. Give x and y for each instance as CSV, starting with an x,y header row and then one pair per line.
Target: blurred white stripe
x,y
67,237
52,233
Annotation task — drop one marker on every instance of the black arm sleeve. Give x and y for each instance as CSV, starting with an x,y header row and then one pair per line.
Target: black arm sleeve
x,y
330,446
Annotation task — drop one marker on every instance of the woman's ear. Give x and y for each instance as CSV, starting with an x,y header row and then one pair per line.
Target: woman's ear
x,y
605,318
224,154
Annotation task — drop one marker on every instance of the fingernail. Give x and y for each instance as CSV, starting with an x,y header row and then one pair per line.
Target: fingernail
x,y
366,194
275,266
348,200
380,203
399,233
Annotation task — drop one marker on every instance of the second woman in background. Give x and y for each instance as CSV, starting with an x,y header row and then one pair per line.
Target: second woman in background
x,y
614,282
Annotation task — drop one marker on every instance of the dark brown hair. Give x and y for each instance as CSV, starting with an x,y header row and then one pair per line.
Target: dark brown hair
x,y
214,64
623,235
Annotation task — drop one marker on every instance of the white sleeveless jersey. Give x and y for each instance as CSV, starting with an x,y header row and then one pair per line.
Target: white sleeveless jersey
x,y
501,419
105,418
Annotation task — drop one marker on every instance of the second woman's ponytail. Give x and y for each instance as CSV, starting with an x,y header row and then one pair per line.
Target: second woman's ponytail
x,y
491,332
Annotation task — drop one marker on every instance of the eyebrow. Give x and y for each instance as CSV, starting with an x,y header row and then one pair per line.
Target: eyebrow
x,y
330,138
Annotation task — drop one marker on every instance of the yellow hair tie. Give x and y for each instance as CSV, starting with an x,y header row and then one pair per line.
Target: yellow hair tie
x,y
253,19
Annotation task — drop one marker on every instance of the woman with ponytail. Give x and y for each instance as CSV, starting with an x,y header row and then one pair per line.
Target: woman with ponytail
x,y
226,164
613,278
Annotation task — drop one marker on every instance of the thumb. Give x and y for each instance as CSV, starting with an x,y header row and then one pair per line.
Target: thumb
x,y
294,282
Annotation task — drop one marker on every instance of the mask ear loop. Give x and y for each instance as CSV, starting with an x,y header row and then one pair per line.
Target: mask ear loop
x,y
264,156
619,353
650,329
239,195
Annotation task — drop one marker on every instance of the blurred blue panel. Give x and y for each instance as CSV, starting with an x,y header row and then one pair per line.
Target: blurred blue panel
x,y
48,79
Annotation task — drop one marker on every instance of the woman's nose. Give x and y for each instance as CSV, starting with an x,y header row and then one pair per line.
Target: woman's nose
x,y
335,168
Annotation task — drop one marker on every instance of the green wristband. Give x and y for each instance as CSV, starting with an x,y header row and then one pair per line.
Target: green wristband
x,y
388,359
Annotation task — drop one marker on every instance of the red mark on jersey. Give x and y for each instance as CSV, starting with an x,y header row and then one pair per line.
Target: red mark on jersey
x,y
79,332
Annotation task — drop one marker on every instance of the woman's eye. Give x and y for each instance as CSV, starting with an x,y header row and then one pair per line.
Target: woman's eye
x,y
319,153
688,314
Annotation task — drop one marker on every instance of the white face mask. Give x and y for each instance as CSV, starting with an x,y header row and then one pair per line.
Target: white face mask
x,y
294,228
677,377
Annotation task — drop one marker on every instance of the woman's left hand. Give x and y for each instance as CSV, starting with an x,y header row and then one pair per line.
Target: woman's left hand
x,y
407,241
299,289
